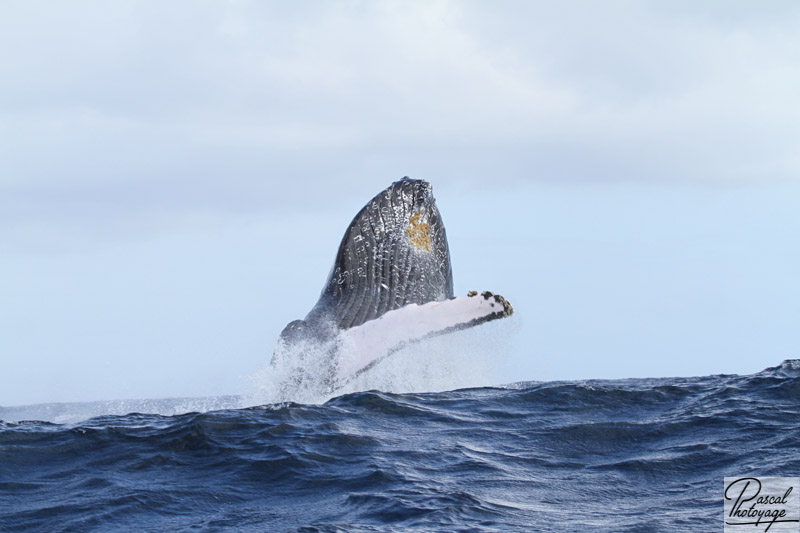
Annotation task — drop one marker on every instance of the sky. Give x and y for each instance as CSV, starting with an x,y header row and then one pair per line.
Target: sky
x,y
175,179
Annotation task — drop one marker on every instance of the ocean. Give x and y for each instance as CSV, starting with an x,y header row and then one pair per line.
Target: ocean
x,y
600,455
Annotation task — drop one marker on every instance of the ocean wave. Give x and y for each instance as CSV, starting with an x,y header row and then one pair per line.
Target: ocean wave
x,y
593,455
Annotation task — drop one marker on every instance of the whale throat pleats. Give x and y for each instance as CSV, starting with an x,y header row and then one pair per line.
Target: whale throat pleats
x,y
393,253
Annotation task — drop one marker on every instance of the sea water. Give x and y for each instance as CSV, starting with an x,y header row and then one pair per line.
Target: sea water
x,y
598,455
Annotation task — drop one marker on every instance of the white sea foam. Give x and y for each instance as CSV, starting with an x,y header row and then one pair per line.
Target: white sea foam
x,y
73,412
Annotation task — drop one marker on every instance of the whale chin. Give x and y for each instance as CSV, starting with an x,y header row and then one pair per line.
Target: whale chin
x,y
391,284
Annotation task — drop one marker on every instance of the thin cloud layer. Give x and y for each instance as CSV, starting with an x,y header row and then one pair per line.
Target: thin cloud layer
x,y
242,106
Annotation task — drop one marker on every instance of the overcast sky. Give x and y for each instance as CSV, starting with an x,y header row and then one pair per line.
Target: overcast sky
x,y
175,178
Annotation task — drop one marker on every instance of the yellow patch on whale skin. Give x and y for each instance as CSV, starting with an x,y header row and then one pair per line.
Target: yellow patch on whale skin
x,y
419,232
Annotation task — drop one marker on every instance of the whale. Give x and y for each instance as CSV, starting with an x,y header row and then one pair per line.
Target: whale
x,y
391,284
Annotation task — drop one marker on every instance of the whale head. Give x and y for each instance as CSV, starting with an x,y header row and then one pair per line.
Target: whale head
x,y
392,273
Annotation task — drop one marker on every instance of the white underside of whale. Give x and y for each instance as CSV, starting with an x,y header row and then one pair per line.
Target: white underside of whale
x,y
361,347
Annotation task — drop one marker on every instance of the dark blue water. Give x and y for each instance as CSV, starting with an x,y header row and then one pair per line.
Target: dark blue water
x,y
631,455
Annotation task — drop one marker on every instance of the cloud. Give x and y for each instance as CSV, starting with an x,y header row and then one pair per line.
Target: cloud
x,y
246,106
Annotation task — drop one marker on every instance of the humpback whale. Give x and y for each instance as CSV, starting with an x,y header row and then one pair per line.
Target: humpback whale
x,y
391,284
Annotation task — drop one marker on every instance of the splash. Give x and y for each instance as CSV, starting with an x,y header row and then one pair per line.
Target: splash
x,y
303,372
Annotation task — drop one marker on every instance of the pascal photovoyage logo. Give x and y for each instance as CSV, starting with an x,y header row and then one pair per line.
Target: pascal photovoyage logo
x,y
766,503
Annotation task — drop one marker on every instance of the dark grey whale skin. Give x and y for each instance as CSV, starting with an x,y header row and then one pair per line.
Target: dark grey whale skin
x,y
380,266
